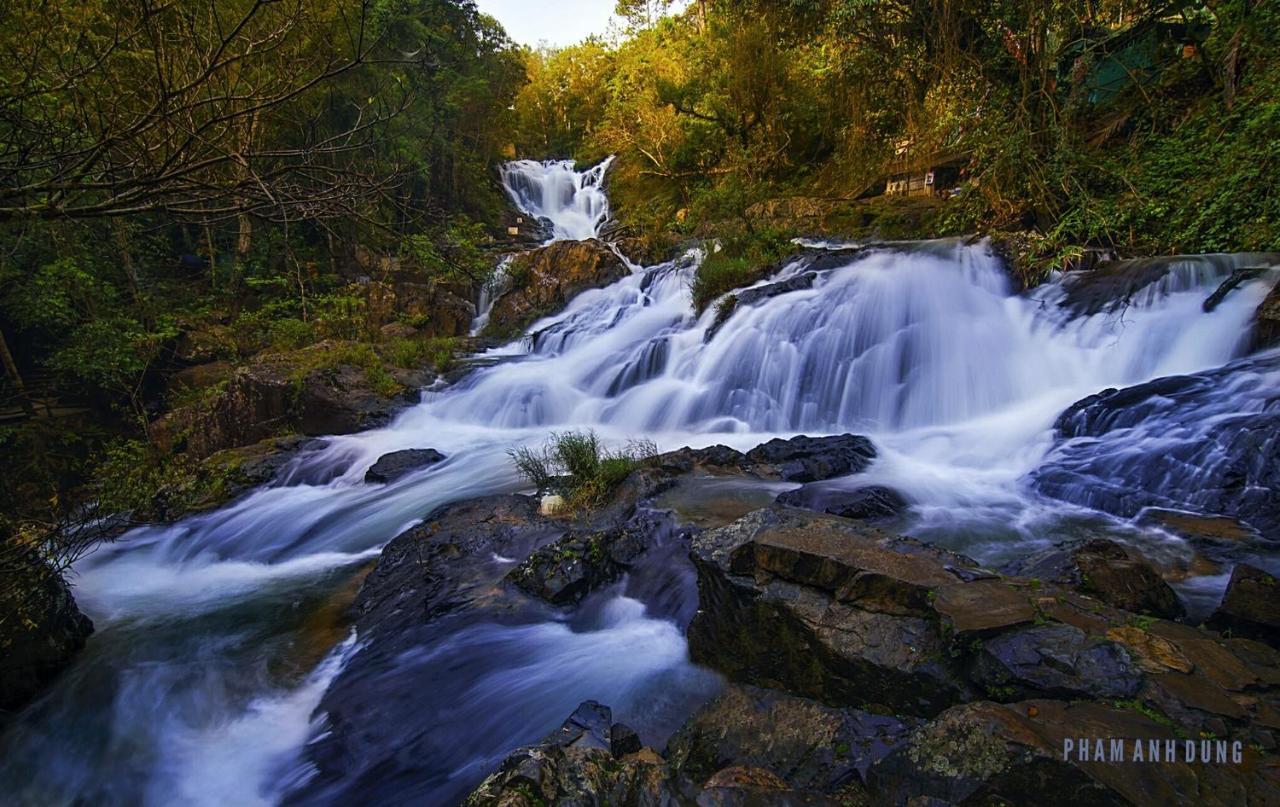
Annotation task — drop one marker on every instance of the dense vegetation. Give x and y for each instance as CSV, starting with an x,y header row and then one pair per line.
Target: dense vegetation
x,y
199,182
1147,126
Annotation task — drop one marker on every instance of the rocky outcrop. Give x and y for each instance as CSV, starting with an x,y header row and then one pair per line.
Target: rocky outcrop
x,y
1251,605
870,503
41,632
576,765
1266,324
1030,753
806,744
1113,284
1106,570
748,746
300,391
851,616
446,572
825,608
391,467
1176,442
809,459
544,280
564,572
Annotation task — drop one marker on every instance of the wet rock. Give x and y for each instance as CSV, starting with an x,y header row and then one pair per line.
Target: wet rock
x,y
826,608
544,280
391,467
446,562
807,745
1106,570
1251,605
1266,321
750,296
1054,660
587,727
564,572
982,605
871,502
40,634
446,572
574,766
623,740
1112,284
809,459
1028,753
1207,443
1205,531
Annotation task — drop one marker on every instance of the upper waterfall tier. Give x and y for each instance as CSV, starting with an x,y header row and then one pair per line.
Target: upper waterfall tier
x,y
573,201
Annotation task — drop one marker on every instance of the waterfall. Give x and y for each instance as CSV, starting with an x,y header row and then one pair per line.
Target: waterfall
x,y
572,202
925,348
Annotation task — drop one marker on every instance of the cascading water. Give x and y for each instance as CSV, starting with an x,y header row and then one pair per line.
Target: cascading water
x,y
216,635
573,202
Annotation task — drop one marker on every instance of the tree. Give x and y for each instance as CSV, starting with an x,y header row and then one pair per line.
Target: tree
x,y
142,106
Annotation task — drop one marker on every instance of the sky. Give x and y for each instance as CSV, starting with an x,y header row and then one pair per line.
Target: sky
x,y
555,22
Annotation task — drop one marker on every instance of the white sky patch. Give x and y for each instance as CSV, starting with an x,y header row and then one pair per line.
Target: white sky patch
x,y
556,23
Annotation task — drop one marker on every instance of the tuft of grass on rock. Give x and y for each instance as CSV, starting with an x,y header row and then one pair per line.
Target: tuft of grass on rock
x,y
579,466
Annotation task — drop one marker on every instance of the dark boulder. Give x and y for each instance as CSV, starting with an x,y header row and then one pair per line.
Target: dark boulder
x,y
1251,605
564,572
755,294
574,765
40,634
429,582
871,502
1266,322
809,459
391,467
1054,660
587,727
1106,570
806,744
1207,443
623,740
1113,284
826,608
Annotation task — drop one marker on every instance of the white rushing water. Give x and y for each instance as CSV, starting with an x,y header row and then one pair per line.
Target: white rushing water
x,y
572,202
927,350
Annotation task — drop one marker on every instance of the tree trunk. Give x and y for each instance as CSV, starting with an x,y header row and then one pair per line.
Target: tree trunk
x,y
126,259
213,257
11,370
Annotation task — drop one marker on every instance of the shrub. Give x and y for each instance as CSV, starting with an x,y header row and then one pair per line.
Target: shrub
x,y
412,352
742,259
579,466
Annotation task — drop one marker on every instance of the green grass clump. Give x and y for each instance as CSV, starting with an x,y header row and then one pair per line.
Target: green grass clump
x,y
577,465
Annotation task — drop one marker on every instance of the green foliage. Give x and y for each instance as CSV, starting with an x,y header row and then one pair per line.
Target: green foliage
x,y
452,252
414,352
739,260
577,464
